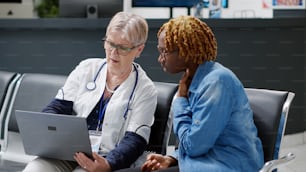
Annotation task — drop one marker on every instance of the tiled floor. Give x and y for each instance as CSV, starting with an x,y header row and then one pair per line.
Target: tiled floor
x,y
296,144
9,166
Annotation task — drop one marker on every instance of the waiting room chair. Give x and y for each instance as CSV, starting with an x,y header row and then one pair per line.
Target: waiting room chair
x,y
7,84
33,92
6,79
271,108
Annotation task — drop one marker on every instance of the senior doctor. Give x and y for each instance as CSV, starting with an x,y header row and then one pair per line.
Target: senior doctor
x,y
116,97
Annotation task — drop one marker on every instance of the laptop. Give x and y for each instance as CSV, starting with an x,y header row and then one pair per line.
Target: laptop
x,y
53,135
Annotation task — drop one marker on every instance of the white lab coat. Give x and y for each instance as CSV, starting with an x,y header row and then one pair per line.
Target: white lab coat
x,y
140,116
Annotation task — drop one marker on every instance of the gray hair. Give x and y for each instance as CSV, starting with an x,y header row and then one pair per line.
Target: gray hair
x,y
134,27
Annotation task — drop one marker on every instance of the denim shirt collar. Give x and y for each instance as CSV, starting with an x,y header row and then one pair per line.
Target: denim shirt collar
x,y
202,70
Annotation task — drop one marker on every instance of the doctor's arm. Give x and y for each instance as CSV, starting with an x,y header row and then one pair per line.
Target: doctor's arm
x,y
137,135
59,107
63,101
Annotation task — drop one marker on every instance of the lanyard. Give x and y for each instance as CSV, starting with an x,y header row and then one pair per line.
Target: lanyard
x,y
102,111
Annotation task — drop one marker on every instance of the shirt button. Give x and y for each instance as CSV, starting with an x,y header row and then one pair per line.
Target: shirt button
x,y
197,122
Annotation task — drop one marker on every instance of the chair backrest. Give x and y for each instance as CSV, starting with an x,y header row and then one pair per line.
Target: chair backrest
x,y
7,84
161,129
5,79
34,92
270,107
31,92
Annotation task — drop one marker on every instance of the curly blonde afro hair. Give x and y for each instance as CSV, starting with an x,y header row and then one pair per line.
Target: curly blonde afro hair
x,y
192,37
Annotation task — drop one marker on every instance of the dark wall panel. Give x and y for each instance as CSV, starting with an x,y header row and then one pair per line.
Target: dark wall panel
x,y
264,53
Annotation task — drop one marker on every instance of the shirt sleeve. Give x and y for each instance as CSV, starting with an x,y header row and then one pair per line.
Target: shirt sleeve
x,y
59,107
198,125
127,151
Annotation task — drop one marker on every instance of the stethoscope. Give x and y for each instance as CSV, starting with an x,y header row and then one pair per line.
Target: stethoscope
x,y
90,86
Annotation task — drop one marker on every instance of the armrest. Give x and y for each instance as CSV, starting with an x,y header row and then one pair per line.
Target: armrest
x,y
273,164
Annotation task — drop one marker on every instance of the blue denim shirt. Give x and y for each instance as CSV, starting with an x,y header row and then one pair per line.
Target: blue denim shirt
x,y
215,124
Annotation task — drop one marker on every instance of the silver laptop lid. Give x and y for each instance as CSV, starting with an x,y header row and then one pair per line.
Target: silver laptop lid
x,y
53,135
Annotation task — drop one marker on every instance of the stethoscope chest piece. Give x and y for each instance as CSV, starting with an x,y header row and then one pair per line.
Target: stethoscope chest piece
x,y
91,86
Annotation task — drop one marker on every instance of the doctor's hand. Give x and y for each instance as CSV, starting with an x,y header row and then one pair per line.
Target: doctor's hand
x,y
157,162
184,84
98,164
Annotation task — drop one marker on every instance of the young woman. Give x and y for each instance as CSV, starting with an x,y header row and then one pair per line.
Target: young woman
x,y
213,120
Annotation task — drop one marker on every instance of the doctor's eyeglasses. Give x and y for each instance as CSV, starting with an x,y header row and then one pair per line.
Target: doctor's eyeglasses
x,y
121,50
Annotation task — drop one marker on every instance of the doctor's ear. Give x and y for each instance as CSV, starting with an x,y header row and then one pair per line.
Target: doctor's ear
x,y
140,49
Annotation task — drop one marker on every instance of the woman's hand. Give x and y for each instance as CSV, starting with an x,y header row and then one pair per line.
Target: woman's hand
x,y
184,84
99,163
157,162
